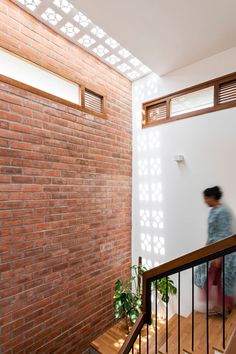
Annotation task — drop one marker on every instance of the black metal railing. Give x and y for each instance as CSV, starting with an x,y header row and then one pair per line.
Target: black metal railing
x,y
134,343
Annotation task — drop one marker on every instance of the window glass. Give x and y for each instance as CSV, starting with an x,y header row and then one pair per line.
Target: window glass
x,y
192,101
31,74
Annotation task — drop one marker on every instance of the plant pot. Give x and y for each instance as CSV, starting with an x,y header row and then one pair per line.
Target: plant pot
x,y
161,307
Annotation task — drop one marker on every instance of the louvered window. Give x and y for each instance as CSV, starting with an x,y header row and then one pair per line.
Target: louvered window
x,y
227,92
93,101
156,112
207,97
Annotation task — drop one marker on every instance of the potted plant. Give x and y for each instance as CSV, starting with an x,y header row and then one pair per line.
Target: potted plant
x,y
165,287
128,296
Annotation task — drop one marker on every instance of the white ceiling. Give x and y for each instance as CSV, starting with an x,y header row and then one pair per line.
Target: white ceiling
x,y
166,34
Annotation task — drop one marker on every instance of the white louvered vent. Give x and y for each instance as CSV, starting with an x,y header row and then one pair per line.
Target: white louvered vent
x,y
156,112
93,101
227,92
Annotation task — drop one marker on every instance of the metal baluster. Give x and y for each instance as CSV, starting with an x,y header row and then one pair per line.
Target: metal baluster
x,y
156,317
192,308
147,339
223,305
179,313
140,342
167,314
207,309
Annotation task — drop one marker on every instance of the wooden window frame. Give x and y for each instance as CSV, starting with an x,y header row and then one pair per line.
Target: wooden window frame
x,y
55,98
167,99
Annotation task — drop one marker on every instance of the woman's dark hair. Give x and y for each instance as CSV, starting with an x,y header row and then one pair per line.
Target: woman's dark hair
x,y
214,192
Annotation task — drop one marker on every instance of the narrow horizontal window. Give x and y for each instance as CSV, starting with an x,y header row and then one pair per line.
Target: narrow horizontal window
x,y
31,74
192,101
209,96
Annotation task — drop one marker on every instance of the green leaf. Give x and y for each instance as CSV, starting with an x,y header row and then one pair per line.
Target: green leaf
x,y
134,315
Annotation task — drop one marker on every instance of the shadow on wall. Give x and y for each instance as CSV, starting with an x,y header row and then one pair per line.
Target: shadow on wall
x,y
150,196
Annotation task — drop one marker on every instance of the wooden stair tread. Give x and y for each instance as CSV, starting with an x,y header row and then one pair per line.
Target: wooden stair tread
x,y
173,335
200,334
112,340
230,325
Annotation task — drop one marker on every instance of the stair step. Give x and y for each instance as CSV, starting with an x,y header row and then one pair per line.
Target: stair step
x,y
185,324
229,328
111,341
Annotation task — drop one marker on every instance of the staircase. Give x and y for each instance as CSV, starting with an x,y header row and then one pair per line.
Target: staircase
x,y
199,333
111,341
215,334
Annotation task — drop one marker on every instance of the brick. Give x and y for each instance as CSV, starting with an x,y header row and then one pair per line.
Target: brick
x,y
65,198
22,179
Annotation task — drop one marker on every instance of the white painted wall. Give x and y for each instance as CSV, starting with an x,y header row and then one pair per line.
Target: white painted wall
x,y
169,216
31,74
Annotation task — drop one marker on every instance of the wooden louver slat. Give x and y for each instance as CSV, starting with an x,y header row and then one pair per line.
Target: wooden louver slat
x,y
93,101
227,92
156,112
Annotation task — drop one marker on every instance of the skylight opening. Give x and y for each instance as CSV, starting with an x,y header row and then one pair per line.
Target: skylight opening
x,y
51,16
70,30
86,41
30,4
113,59
65,5
98,32
82,19
100,50
74,25
123,67
112,43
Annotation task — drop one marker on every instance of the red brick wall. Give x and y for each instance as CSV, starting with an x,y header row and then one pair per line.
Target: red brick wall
x,y
65,199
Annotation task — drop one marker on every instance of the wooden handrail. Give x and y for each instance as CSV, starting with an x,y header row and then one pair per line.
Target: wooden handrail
x,y
207,253
196,257
131,338
187,261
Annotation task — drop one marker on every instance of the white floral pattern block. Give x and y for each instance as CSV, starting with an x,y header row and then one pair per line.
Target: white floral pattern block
x,y
30,4
100,50
51,16
83,20
70,30
65,5
86,41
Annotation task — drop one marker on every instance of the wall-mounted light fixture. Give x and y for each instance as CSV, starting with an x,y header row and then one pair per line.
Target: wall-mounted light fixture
x,y
179,158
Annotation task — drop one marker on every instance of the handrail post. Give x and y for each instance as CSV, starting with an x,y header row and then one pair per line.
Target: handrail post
x,y
148,303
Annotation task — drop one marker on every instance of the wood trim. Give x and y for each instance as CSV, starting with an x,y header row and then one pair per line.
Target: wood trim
x,y
168,107
216,94
194,258
192,114
82,89
215,82
196,87
49,96
57,72
104,105
131,338
53,69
